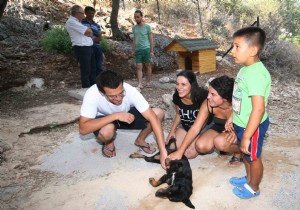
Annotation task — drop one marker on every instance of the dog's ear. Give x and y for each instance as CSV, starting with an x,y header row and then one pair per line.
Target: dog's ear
x,y
168,161
171,146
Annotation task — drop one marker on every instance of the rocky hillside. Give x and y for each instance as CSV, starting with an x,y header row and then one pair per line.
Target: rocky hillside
x,y
21,56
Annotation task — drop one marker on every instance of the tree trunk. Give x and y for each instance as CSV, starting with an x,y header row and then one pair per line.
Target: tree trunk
x,y
123,3
2,7
200,20
158,10
117,34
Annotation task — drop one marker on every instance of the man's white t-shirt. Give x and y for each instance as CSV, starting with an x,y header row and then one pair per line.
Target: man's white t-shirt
x,y
76,31
95,104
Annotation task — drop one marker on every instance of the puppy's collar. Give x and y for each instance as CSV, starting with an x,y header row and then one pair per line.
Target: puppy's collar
x,y
173,178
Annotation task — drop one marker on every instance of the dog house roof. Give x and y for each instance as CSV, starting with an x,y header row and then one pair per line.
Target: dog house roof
x,y
190,45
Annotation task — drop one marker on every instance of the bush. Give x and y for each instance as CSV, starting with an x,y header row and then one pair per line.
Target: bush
x,y
57,40
282,59
105,46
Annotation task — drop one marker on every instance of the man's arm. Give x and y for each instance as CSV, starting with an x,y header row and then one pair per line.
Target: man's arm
x,y
176,122
133,43
77,26
157,130
258,110
98,38
150,36
88,32
89,125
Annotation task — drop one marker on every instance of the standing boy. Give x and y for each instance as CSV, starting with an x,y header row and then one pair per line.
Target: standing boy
x,y
97,36
250,97
142,48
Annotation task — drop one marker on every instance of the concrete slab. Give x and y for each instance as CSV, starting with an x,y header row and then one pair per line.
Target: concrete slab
x,y
50,115
83,156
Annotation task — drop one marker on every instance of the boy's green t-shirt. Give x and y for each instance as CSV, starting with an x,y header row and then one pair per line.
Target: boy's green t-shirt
x,y
142,37
253,80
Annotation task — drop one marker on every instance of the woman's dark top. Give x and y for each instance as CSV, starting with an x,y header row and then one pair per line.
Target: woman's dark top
x,y
188,113
218,123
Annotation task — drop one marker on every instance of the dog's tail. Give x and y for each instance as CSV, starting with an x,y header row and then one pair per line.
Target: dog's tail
x,y
188,203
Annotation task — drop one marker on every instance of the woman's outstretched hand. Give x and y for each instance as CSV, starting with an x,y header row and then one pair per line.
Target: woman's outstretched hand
x,y
175,155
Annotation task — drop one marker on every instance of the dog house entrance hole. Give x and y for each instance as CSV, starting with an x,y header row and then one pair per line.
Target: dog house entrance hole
x,y
188,63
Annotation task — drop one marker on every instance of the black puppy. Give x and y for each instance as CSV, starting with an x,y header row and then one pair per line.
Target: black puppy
x,y
178,176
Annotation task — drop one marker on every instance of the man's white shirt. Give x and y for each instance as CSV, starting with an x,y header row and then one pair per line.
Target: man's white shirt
x,y
76,31
95,104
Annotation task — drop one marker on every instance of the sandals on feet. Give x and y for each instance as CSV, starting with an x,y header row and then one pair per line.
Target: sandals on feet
x,y
235,162
146,149
245,192
223,155
238,181
109,153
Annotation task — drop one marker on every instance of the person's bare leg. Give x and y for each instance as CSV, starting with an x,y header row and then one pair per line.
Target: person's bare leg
x,y
140,140
205,143
107,136
256,173
247,168
222,144
225,146
148,74
139,69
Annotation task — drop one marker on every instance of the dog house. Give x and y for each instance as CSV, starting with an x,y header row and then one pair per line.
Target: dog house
x,y
198,55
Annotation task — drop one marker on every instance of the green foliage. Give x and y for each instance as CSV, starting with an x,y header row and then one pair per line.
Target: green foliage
x,y
229,6
105,46
57,40
290,12
217,31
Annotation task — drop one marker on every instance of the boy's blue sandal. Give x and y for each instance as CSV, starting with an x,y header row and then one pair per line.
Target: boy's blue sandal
x,y
245,192
238,181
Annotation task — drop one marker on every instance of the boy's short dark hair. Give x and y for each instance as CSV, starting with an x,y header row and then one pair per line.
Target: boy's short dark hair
x,y
108,79
254,36
88,8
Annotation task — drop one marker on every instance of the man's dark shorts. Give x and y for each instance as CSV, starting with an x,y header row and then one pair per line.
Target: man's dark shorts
x,y
139,122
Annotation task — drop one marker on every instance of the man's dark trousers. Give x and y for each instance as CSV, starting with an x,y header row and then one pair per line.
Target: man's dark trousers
x,y
86,58
99,58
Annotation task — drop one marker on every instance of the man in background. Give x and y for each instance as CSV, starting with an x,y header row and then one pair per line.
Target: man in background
x,y
83,46
89,22
142,48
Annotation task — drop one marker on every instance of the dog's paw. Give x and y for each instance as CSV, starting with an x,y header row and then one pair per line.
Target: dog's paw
x,y
153,182
136,155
